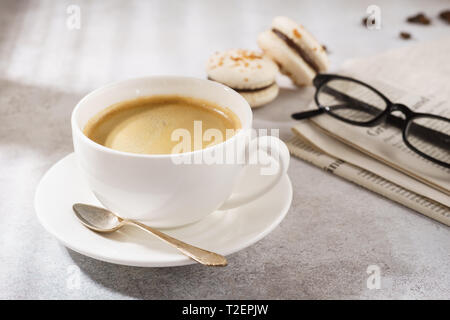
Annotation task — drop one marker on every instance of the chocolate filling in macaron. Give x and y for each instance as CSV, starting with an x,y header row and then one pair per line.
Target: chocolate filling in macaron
x,y
303,54
246,90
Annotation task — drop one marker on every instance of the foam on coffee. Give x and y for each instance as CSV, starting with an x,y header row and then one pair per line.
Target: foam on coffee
x,y
145,125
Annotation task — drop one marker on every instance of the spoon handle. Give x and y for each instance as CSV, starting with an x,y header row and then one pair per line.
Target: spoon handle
x,y
200,255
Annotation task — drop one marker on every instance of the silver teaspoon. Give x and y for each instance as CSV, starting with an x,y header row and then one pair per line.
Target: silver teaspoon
x,y
102,220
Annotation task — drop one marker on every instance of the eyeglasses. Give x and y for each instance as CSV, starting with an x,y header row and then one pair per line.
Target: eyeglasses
x,y
357,103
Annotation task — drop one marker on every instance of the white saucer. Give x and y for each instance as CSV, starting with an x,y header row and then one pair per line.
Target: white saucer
x,y
224,232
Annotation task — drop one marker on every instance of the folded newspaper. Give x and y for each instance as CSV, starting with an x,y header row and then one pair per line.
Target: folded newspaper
x,y
376,157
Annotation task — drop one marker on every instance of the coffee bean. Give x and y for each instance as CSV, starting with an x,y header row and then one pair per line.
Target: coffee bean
x,y
405,35
445,15
419,18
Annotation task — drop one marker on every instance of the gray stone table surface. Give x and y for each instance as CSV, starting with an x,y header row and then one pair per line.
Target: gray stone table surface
x,y
334,229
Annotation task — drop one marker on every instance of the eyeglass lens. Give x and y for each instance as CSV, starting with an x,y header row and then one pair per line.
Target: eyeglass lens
x,y
430,136
350,100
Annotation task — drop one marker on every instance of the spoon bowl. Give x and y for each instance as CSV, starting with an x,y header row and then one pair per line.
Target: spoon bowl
x,y
96,218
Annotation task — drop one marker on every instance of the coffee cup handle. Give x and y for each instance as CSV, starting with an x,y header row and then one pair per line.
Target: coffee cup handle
x,y
276,149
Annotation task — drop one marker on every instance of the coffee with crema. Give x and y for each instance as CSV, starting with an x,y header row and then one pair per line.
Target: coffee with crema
x,y
155,125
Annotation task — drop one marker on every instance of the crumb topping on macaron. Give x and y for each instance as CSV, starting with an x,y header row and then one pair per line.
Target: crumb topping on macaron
x,y
250,73
242,69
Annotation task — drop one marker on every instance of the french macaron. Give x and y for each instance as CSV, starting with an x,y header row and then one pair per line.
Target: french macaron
x,y
298,54
248,72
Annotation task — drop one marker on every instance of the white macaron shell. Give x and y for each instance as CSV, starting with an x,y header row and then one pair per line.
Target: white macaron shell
x,y
242,69
302,38
261,97
290,63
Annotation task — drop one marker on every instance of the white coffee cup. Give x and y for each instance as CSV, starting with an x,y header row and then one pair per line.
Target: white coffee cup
x,y
154,188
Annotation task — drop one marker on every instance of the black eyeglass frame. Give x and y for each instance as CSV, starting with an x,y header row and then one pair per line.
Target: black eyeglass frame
x,y
403,124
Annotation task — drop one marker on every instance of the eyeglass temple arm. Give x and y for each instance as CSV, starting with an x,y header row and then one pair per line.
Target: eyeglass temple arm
x,y
312,113
427,134
431,136
354,103
307,114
